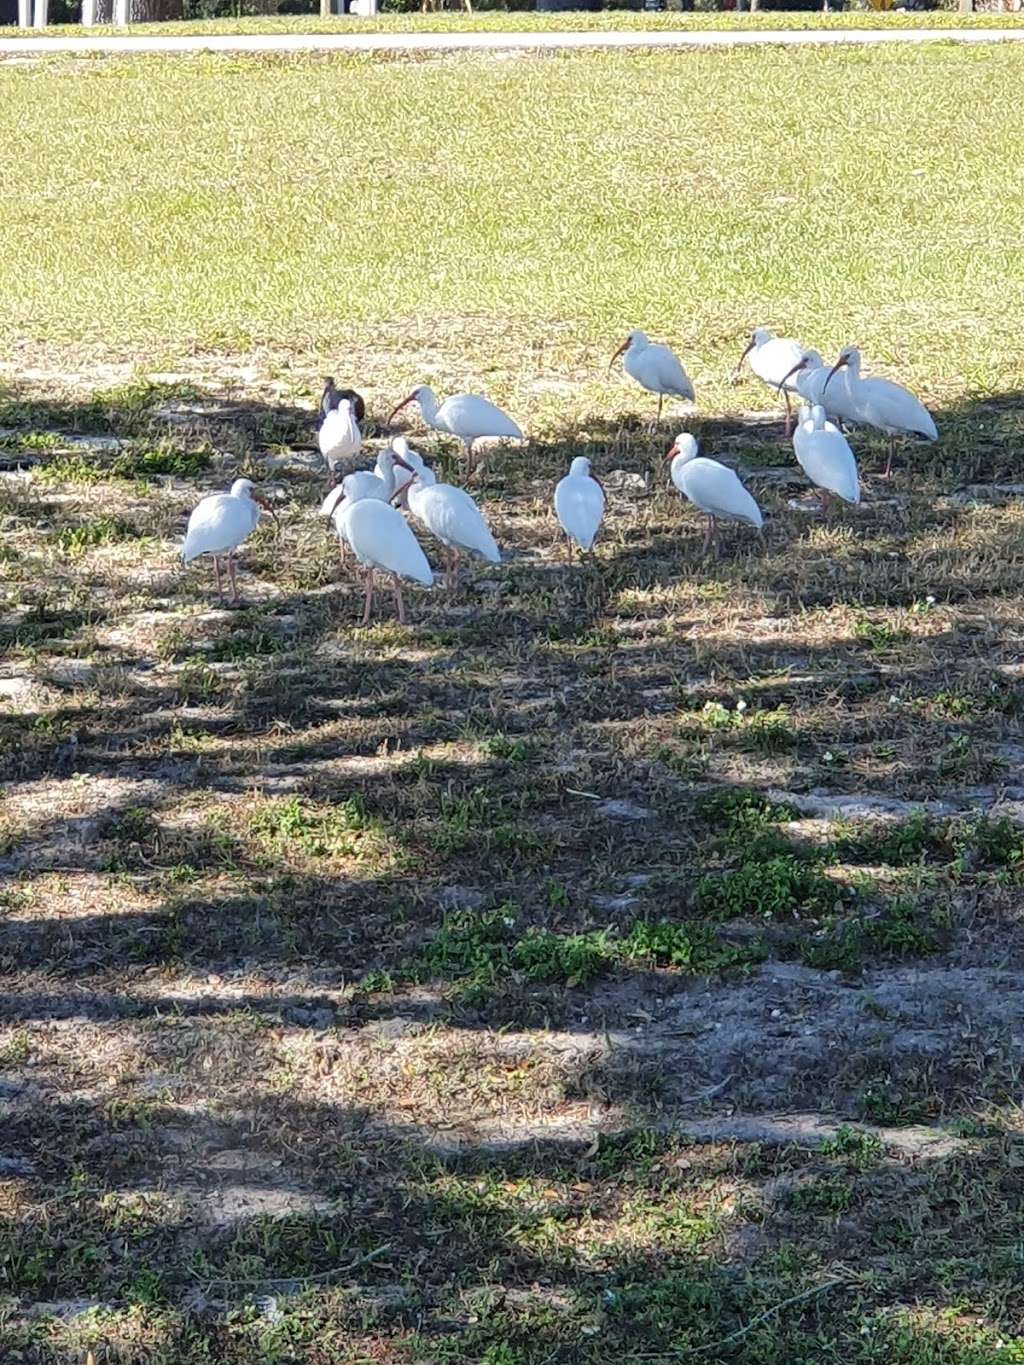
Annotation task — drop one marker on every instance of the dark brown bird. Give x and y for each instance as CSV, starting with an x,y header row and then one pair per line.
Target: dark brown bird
x,y
332,396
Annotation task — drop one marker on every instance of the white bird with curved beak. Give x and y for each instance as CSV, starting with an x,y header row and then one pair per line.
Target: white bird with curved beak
x,y
712,487
381,539
450,514
403,454
810,377
824,454
883,404
466,416
655,368
218,525
579,505
362,484
773,359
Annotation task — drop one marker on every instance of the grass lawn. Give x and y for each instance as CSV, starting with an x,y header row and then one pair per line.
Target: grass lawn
x,y
529,21
617,964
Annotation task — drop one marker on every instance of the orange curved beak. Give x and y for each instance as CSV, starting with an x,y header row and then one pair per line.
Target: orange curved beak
x,y
409,481
843,360
403,404
623,347
267,507
801,364
739,364
671,454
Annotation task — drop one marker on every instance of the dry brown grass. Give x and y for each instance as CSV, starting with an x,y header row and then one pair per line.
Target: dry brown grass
x,y
327,947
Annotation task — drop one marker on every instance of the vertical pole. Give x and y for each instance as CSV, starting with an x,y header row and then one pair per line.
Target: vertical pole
x,y
88,13
42,13
24,13
966,6
325,9
119,17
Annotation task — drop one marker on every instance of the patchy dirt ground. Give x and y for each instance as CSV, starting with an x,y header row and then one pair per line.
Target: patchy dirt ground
x,y
618,962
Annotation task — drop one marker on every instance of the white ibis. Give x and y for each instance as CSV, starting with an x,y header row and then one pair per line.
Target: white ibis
x,y
579,504
401,453
339,437
450,514
379,484
219,524
465,415
824,454
362,484
712,487
810,377
654,367
773,359
883,404
332,396
381,539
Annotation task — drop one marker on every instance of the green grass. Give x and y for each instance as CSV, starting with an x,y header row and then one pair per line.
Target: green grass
x,y
778,887
487,954
562,237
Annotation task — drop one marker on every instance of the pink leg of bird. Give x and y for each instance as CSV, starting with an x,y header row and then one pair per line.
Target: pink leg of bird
x,y
216,570
343,553
826,503
709,535
892,455
398,600
368,607
234,580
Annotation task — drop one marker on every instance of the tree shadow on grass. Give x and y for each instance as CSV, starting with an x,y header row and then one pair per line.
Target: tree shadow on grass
x,y
638,1245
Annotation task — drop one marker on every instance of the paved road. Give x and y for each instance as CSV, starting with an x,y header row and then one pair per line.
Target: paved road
x,y
419,42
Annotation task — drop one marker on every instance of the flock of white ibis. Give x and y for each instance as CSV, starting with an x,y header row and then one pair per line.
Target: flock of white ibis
x,y
367,507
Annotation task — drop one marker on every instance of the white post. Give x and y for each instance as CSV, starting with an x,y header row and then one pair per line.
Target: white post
x,y
24,13
88,13
42,13
120,15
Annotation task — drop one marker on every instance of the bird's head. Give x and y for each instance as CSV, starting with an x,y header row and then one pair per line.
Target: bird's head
x,y
580,467
422,394
757,338
684,445
636,339
849,356
411,459
245,488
